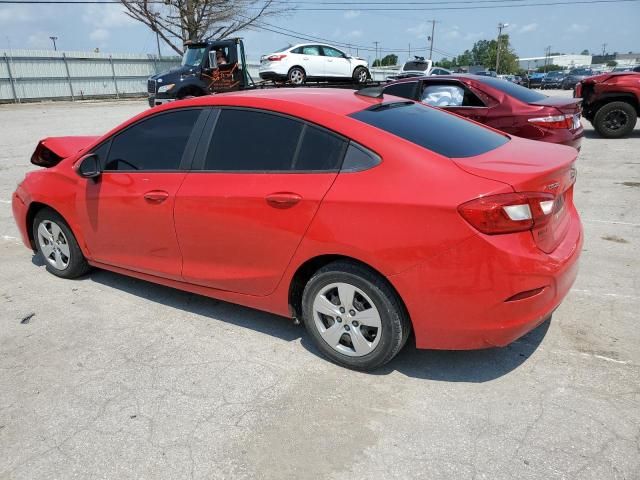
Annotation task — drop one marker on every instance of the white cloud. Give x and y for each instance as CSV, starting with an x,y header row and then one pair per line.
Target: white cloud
x,y
350,14
421,30
354,34
577,28
107,16
473,35
529,27
99,35
40,40
11,14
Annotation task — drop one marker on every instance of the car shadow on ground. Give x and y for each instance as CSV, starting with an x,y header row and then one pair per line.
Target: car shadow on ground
x,y
595,135
474,366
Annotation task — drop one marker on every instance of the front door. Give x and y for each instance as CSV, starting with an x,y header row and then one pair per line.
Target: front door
x,y
261,179
127,212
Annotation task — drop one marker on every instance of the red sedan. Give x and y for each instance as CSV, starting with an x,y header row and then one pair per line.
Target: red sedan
x,y
364,217
501,104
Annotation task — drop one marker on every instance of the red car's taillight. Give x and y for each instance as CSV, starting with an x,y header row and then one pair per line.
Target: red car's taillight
x,y
553,121
508,212
275,58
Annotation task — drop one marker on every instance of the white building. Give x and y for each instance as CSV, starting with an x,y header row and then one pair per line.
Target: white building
x,y
569,61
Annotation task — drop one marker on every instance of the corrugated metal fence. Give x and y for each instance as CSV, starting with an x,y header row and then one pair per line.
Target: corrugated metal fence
x,y
31,75
27,75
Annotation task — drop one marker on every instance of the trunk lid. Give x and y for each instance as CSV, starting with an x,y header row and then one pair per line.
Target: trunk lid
x,y
51,150
530,166
563,105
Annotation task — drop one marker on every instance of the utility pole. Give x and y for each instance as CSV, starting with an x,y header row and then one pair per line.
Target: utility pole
x,y
374,60
158,44
547,55
604,46
53,39
409,51
500,27
433,31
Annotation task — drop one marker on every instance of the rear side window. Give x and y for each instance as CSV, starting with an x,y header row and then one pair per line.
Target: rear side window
x,y
432,129
319,150
153,144
521,93
404,90
255,141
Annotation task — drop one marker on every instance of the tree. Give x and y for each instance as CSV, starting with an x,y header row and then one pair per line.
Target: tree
x,y
179,21
391,59
612,63
585,52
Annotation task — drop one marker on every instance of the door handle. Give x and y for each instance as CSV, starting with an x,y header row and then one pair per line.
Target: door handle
x,y
156,196
283,199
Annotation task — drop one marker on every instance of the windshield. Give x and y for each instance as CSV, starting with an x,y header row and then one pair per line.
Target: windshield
x,y
581,71
431,128
422,66
193,56
554,74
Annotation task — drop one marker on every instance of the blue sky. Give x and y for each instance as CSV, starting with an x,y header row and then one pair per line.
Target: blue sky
x,y
567,28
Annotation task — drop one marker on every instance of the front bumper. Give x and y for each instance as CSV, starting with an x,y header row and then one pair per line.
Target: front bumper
x,y
459,299
20,209
159,99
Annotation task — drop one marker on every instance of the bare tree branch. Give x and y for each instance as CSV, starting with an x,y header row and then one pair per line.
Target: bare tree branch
x,y
179,21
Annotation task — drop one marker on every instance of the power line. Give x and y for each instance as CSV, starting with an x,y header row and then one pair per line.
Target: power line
x,y
337,9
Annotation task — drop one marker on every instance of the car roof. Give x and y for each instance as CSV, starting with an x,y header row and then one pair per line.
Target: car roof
x,y
338,101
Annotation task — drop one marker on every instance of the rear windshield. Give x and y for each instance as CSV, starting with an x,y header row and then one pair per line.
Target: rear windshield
x,y
521,93
433,129
422,66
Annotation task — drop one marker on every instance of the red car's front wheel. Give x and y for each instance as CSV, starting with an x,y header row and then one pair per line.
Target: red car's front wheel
x,y
57,245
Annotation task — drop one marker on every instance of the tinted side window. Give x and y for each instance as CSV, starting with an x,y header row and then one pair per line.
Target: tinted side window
x,y
153,144
359,158
332,52
320,150
432,129
521,93
404,90
311,50
246,140
297,50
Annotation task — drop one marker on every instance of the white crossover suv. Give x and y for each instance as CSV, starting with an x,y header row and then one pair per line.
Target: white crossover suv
x,y
299,63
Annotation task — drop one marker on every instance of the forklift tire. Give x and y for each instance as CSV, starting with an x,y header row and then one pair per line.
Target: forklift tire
x,y
296,76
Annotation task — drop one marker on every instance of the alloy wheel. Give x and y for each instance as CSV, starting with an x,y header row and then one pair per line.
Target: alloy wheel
x,y
296,77
53,245
347,319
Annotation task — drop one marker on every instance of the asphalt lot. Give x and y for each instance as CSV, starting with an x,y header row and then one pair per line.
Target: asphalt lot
x,y
117,378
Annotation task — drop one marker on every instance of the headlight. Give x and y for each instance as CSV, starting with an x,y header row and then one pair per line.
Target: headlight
x,y
166,88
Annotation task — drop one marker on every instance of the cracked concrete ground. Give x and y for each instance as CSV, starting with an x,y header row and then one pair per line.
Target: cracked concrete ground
x,y
118,378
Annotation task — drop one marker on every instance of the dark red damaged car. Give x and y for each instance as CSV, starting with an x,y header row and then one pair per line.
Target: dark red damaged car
x,y
500,104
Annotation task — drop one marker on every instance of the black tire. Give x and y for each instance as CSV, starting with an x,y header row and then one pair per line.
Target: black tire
x,y
395,325
296,76
75,265
615,119
361,75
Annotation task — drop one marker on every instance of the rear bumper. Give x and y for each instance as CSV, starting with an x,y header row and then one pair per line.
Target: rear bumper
x,y
458,300
270,75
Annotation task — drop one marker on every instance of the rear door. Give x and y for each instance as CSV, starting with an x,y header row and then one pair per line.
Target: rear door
x,y
312,61
336,63
257,182
127,213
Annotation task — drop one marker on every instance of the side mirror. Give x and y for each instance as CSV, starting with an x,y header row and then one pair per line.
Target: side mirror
x,y
213,63
89,166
